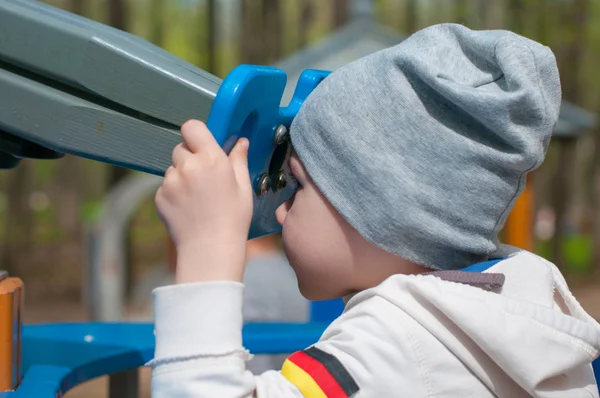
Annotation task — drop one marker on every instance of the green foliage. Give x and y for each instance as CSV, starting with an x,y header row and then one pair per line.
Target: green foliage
x,y
577,251
181,30
90,211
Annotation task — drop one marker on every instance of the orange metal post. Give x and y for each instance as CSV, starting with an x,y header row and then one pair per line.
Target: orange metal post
x,y
11,308
519,225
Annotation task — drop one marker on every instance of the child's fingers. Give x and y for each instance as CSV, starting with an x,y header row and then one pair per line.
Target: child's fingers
x,y
179,154
239,161
197,137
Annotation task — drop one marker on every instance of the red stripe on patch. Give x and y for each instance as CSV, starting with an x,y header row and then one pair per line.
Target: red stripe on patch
x,y
319,373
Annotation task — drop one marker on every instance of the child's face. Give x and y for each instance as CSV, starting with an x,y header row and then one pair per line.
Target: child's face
x,y
330,258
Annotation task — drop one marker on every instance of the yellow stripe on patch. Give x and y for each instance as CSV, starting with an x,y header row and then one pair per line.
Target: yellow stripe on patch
x,y
298,377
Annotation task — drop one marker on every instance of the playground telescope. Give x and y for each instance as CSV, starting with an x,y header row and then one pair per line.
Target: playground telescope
x,y
70,85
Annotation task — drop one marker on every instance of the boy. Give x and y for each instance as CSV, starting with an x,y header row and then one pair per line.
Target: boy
x,y
408,161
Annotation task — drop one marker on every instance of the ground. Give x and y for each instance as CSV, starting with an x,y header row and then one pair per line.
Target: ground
x,y
65,311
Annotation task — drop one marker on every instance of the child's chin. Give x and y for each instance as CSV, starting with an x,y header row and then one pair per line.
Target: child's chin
x,y
315,293
312,296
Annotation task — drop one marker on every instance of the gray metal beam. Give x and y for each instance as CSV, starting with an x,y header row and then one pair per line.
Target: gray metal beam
x,y
79,87
67,123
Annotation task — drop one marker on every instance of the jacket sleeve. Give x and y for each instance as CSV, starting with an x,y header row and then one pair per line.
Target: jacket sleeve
x,y
199,352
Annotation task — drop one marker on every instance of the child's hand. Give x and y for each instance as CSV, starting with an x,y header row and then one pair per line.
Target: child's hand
x,y
206,203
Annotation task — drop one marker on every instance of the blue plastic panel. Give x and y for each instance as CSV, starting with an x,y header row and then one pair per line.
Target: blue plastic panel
x,y
326,311
58,357
248,105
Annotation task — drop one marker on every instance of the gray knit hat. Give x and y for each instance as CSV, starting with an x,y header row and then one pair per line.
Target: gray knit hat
x,y
423,147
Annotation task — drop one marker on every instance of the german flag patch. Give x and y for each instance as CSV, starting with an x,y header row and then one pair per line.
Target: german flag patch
x,y
318,374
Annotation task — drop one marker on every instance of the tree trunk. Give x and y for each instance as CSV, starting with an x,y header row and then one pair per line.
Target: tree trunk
x,y
483,13
542,25
272,30
117,18
561,188
574,51
251,40
117,14
157,22
340,13
411,14
461,12
571,55
77,7
211,35
514,14
596,204
306,14
68,181
18,224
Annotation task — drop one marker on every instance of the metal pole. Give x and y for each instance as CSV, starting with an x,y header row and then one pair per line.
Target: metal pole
x,y
105,252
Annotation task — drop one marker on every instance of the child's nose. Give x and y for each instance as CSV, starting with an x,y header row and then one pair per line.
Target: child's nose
x,y
282,211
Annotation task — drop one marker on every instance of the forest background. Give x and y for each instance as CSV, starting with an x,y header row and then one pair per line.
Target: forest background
x,y
46,205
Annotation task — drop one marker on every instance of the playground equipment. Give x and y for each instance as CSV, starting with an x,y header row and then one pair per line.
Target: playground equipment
x,y
11,306
70,85
106,258
109,96
106,95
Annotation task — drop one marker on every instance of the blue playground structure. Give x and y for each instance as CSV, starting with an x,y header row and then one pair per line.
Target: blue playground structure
x,y
58,357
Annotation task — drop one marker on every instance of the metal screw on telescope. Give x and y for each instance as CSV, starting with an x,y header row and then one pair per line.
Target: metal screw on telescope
x,y
263,186
281,135
281,181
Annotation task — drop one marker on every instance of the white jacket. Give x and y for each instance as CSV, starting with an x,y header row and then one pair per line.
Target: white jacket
x,y
411,336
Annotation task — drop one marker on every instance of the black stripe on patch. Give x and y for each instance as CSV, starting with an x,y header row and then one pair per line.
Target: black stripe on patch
x,y
335,368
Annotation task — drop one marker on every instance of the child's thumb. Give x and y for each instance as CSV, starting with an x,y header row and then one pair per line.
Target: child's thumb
x,y
239,161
